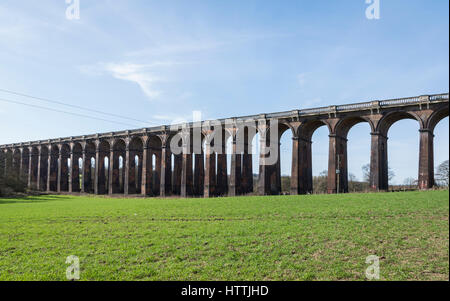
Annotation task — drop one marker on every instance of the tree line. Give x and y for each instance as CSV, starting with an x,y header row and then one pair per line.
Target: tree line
x,y
11,183
355,185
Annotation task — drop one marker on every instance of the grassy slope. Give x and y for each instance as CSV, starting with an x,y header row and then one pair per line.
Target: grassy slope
x,y
319,237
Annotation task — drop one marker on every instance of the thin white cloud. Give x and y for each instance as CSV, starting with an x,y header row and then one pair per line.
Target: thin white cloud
x,y
164,55
135,73
144,75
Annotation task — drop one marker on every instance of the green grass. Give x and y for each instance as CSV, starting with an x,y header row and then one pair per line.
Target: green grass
x,y
317,237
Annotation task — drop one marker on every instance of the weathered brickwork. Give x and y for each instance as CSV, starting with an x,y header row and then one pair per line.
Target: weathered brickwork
x,y
141,161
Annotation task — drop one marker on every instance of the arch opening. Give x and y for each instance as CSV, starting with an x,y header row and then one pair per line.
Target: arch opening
x,y
319,159
284,168
87,170
358,154
441,152
403,166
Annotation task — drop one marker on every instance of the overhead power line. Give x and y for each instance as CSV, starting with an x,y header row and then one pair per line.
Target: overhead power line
x,y
74,106
65,112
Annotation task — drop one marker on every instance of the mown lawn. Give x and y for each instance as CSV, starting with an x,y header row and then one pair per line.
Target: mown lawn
x,y
317,237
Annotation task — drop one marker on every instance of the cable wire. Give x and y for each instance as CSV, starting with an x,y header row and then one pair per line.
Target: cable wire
x,y
65,112
73,106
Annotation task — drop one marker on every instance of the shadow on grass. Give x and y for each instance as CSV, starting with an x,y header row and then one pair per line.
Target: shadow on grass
x,y
31,199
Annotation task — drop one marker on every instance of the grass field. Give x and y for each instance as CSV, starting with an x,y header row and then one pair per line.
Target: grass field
x,y
317,237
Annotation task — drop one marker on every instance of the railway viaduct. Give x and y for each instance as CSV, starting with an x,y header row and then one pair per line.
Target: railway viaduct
x,y
143,161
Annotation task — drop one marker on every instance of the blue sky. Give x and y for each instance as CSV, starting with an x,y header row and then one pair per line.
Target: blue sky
x,y
158,61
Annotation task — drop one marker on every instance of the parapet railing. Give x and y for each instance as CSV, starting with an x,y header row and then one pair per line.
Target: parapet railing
x,y
424,99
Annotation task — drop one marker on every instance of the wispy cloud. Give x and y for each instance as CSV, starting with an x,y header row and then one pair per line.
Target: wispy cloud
x,y
135,73
144,75
134,66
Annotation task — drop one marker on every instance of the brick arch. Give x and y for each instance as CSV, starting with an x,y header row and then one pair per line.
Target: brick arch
x,y
136,143
427,110
246,133
34,152
283,126
436,117
307,128
104,146
246,125
182,137
186,135
344,125
214,158
269,173
154,142
89,148
52,168
65,149
89,154
102,166
264,130
54,151
75,167
219,141
190,162
77,148
25,162
119,144
64,169
389,119
132,168
42,171
117,174
174,141
148,182
17,157
8,157
229,133
2,162
25,152
45,150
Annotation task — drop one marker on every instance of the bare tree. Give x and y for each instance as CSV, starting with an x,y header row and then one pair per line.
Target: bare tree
x,y
410,182
366,173
442,174
353,184
320,182
391,174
